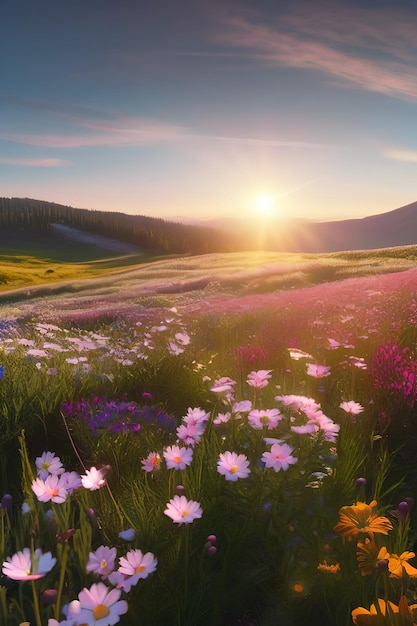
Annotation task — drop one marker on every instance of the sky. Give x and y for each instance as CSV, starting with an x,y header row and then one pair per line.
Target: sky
x,y
208,109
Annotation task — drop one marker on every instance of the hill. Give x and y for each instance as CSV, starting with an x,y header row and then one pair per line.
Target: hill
x,y
25,217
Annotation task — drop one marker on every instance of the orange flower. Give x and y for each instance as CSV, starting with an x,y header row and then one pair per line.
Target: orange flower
x,y
387,614
368,556
329,569
360,519
398,565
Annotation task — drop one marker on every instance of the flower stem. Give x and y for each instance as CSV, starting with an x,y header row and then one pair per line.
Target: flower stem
x,y
36,604
61,580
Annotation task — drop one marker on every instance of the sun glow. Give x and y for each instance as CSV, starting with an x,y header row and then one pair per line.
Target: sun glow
x,y
265,205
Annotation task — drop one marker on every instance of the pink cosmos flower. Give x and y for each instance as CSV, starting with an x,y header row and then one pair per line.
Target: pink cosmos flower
x,y
233,466
259,418
47,464
190,433
100,606
183,338
174,349
135,566
71,481
305,429
222,418
259,379
242,407
178,458
27,566
152,462
53,488
196,416
93,478
280,457
318,371
102,561
183,511
224,384
354,408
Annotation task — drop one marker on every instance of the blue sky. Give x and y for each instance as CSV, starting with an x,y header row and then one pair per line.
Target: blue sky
x,y
201,109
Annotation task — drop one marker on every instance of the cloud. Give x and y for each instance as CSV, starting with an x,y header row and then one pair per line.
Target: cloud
x,y
116,132
400,154
369,49
34,162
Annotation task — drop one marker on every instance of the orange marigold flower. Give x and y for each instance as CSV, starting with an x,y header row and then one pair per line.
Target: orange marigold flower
x,y
387,613
398,565
360,519
367,554
328,568
376,617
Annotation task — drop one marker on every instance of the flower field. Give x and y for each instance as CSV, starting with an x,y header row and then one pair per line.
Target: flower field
x,y
228,461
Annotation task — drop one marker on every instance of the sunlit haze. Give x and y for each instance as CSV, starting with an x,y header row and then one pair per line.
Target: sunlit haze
x,y
227,108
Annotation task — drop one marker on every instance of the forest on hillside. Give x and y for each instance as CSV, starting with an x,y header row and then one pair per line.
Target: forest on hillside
x,y
149,233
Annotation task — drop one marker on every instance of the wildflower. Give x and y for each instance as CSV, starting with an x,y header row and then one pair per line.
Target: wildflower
x,y
26,565
224,384
93,478
259,379
280,457
183,511
183,338
100,606
233,466
297,354
367,554
396,615
305,429
48,464
50,489
174,349
178,458
135,566
328,568
318,371
360,519
127,535
6,502
102,561
398,565
268,417
152,462
354,408
71,481
222,418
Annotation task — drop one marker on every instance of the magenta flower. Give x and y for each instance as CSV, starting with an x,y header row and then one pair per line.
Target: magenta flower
x,y
27,566
318,371
178,458
233,466
259,379
224,384
152,462
280,457
100,606
53,488
102,561
93,478
47,464
354,408
183,511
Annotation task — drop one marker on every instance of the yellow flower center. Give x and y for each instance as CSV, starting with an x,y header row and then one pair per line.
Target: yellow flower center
x,y
103,563
139,568
184,513
45,465
234,469
100,611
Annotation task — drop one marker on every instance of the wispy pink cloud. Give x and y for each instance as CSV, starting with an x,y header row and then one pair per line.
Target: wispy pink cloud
x,y
117,132
356,47
34,162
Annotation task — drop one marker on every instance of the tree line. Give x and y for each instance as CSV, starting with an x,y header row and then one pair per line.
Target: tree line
x,y
149,233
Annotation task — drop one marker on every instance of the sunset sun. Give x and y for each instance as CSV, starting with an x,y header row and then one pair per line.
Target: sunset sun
x,y
265,205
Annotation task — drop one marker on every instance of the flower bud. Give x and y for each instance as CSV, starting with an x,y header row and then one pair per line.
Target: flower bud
x,y
6,502
49,596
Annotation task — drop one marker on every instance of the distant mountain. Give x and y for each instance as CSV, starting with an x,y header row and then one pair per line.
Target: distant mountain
x,y
385,230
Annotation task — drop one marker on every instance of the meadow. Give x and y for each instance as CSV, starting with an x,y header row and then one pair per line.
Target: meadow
x,y
216,440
